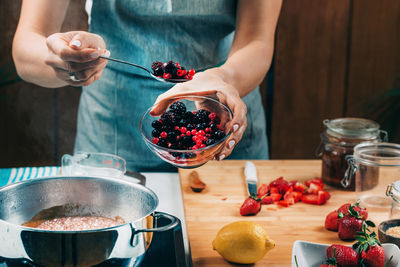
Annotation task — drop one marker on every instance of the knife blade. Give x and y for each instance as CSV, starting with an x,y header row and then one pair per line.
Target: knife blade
x,y
250,172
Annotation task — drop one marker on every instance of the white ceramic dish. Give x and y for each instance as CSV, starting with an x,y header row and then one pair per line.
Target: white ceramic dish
x,y
310,254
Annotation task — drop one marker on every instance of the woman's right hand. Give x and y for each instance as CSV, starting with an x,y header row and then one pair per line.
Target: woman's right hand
x,y
74,56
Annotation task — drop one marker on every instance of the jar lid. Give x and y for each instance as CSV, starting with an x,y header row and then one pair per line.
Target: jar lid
x,y
378,154
352,128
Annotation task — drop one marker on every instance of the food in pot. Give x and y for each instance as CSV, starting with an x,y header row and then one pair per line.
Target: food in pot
x,y
394,231
72,217
171,70
180,129
75,223
243,242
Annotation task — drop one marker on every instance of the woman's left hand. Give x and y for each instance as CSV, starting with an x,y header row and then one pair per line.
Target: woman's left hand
x,y
207,83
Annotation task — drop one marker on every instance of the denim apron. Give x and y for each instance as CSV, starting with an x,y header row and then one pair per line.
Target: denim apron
x,y
196,33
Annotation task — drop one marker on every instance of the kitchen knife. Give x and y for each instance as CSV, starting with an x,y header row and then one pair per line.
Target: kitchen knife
x,y
250,172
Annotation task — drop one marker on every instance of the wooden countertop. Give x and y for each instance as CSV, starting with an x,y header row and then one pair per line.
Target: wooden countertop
x,y
219,204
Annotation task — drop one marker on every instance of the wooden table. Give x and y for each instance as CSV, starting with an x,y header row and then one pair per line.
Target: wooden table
x,y
219,204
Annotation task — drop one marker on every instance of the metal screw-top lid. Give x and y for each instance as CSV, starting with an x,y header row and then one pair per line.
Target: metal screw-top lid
x,y
356,128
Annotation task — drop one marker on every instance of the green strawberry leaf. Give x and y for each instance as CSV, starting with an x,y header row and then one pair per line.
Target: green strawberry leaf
x,y
370,223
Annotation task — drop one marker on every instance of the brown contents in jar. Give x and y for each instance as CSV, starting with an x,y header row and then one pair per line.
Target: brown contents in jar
x,y
394,231
334,165
78,223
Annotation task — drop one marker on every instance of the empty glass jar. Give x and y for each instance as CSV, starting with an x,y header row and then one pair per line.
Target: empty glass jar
x,y
369,161
338,141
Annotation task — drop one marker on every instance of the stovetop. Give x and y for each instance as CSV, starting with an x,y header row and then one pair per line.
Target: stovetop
x,y
169,248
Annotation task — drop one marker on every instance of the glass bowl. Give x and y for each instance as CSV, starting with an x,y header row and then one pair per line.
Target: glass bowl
x,y
195,157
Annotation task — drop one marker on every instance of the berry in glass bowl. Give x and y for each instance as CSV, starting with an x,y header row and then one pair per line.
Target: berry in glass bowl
x,y
190,132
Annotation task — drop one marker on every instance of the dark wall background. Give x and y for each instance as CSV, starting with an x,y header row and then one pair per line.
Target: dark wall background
x,y
333,59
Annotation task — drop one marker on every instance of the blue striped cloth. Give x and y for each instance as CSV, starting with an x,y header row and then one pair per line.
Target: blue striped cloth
x,y
12,175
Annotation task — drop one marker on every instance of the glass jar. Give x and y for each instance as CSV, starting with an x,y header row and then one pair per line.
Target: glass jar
x,y
338,141
393,190
368,162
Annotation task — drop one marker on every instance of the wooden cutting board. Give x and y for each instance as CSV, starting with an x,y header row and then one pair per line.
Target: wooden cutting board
x,y
219,204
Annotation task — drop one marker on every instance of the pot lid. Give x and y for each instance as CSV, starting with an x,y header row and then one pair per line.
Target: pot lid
x,y
352,128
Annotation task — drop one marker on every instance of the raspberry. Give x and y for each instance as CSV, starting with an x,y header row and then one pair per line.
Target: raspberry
x,y
167,76
192,72
183,130
163,135
155,140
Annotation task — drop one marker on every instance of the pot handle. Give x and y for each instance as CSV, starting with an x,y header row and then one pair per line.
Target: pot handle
x,y
156,215
351,170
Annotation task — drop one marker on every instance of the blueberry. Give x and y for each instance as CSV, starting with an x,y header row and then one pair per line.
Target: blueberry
x,y
189,127
219,135
156,124
190,155
171,136
210,142
155,133
170,67
182,122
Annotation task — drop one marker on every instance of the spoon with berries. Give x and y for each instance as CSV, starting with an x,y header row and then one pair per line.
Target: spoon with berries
x,y
168,72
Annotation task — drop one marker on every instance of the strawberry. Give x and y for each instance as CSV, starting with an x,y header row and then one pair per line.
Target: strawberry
x,y
297,196
332,221
292,183
349,226
345,256
323,196
368,246
374,256
327,265
263,190
251,206
281,184
331,261
344,209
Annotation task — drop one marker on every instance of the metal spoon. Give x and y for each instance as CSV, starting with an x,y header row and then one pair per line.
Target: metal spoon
x,y
145,69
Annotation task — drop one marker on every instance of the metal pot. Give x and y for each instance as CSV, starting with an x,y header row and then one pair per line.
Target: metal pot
x,y
78,196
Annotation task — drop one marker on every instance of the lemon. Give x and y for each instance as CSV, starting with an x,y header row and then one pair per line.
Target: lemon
x,y
242,242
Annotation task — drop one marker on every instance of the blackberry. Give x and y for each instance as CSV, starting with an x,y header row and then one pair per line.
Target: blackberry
x,y
182,122
155,133
188,141
189,117
162,143
178,108
167,118
202,116
171,136
157,68
156,124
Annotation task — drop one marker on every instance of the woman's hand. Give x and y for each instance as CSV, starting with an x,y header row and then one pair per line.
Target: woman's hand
x,y
74,57
210,82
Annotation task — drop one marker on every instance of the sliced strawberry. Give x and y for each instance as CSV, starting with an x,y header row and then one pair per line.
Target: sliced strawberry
x,y
299,187
263,190
310,199
315,180
292,183
314,188
276,197
267,200
284,203
281,184
273,190
289,197
323,197
297,196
